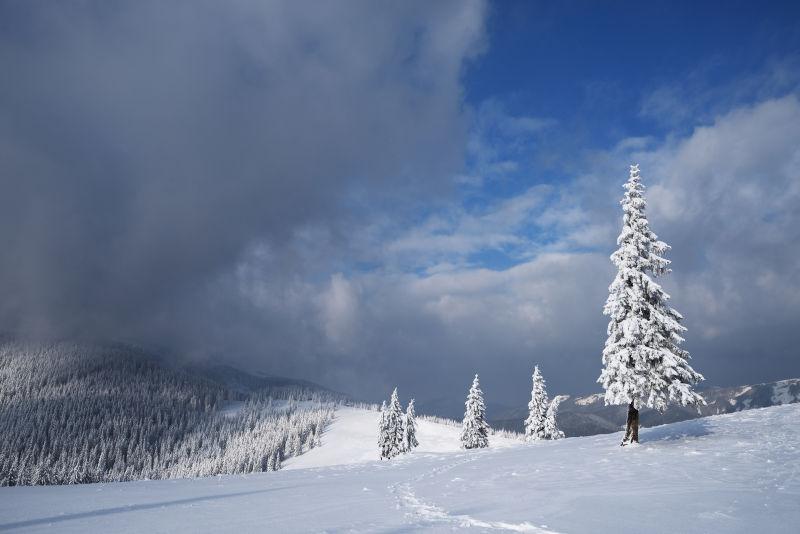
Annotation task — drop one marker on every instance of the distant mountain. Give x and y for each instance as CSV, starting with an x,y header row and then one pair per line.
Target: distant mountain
x,y
453,407
585,416
242,382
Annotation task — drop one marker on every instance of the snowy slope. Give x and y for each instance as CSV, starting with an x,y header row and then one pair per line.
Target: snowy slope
x,y
353,436
728,473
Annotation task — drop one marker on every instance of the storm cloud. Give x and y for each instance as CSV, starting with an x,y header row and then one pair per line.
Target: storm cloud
x,y
145,147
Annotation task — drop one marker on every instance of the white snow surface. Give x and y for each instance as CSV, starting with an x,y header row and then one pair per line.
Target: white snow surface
x,y
353,438
729,473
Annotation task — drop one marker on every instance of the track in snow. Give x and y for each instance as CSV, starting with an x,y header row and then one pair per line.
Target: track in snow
x,y
422,513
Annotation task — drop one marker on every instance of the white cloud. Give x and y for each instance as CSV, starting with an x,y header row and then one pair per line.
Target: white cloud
x,y
451,236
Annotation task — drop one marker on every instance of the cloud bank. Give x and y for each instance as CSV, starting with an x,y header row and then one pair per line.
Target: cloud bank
x,y
146,147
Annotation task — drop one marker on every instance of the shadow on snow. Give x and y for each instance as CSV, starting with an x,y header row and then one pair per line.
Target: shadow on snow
x,y
127,508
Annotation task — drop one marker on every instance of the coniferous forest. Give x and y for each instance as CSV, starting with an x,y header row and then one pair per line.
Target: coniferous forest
x,y
72,414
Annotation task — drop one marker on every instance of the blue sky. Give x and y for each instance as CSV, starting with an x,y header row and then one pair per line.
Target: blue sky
x,y
587,75
403,194
591,64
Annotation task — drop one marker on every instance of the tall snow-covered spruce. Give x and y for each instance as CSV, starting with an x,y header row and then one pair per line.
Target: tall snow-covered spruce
x,y
537,408
475,431
643,363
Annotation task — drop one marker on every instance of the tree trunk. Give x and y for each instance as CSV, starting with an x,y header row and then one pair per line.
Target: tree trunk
x,y
632,426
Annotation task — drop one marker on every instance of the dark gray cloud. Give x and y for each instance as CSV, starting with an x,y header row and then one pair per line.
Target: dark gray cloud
x,y
144,146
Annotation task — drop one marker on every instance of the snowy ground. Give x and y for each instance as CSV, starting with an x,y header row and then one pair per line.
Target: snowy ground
x,y
353,438
730,473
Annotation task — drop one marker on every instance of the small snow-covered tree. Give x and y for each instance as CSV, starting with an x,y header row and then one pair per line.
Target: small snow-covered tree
x,y
643,363
537,408
410,428
475,431
384,440
551,430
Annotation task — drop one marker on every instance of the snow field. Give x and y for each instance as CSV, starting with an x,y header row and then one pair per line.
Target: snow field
x,y
352,438
730,473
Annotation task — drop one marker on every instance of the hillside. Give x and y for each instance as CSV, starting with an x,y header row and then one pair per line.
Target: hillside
x,y
77,413
728,473
586,416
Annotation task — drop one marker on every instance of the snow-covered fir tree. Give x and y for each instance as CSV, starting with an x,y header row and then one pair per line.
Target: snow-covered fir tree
x,y
537,408
395,420
551,430
383,433
410,428
475,431
643,363
391,428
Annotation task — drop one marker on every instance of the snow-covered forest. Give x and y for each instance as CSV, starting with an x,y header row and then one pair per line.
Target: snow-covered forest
x,y
85,413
